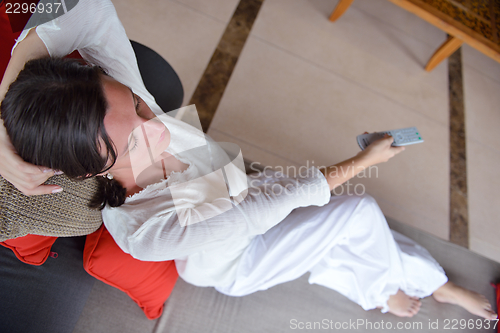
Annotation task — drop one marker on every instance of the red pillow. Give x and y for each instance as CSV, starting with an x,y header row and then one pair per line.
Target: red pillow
x,y
31,249
148,283
497,287
7,39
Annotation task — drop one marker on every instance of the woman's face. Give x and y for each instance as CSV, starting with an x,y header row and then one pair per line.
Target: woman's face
x,y
139,137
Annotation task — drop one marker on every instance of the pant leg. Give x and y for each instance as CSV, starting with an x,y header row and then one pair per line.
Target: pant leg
x,y
291,248
346,245
375,262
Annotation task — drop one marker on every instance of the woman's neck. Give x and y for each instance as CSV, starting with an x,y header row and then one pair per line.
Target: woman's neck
x,y
151,175
126,179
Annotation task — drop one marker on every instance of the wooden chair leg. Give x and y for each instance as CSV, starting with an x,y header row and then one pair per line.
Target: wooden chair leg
x,y
340,9
444,51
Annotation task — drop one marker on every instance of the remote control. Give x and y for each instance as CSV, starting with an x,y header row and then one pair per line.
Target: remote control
x,y
402,137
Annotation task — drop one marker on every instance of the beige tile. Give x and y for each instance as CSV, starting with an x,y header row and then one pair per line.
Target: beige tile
x,y
481,77
480,62
184,37
482,98
482,107
257,155
486,249
436,226
278,104
361,48
222,10
484,196
403,20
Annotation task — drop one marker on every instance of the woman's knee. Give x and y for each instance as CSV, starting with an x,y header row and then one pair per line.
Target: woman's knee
x,y
362,199
367,199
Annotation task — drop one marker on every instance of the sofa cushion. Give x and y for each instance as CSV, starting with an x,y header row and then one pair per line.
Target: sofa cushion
x,y
46,298
7,38
149,284
31,249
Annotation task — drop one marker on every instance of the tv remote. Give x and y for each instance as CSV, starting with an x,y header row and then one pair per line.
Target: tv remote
x,y
402,137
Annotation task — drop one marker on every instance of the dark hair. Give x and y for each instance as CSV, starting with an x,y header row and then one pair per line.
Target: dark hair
x,y
54,115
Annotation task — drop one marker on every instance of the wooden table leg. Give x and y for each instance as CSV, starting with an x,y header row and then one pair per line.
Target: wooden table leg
x,y
444,51
340,9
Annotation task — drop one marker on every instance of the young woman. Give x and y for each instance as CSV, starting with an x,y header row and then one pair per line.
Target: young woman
x,y
85,121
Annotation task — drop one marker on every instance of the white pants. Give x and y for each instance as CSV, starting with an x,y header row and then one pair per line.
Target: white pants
x,y
347,246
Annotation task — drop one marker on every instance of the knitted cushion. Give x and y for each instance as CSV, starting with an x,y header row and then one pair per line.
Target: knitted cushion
x,y
61,214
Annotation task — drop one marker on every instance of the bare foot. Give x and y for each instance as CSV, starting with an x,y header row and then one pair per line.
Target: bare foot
x,y
403,305
471,301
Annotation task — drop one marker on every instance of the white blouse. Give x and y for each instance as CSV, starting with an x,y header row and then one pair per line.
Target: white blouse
x,y
193,217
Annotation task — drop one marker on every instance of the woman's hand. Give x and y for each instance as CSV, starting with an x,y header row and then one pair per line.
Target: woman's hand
x,y
377,152
380,151
24,176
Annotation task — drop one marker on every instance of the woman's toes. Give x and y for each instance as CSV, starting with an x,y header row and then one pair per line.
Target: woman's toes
x,y
416,307
403,305
493,314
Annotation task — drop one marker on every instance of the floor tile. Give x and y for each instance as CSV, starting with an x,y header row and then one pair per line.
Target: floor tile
x,y
401,19
255,155
481,63
484,210
482,100
184,37
222,10
216,76
287,110
361,48
482,107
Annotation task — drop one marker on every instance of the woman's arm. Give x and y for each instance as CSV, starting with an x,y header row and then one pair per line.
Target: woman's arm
x,y
149,229
31,47
25,176
378,152
153,229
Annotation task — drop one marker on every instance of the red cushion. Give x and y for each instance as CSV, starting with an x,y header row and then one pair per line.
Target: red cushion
x,y
497,287
148,283
31,249
7,39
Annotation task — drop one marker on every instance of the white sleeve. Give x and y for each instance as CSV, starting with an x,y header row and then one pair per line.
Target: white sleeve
x,y
93,28
162,237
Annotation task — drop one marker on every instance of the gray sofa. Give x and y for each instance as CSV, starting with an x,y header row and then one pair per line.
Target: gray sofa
x,y
60,296
290,306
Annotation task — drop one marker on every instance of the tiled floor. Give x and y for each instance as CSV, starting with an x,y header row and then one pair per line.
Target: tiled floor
x,y
303,88
482,105
184,32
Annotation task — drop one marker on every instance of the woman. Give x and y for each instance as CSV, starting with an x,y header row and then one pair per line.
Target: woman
x,y
239,242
